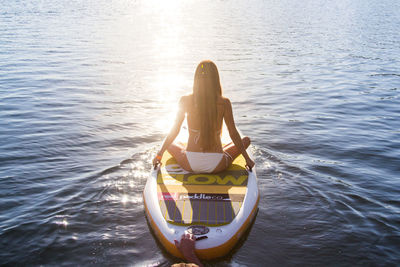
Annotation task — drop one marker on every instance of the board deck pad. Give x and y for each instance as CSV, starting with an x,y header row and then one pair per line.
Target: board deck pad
x,y
192,198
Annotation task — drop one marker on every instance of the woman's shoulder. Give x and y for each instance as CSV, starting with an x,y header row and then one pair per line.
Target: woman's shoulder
x,y
225,101
186,98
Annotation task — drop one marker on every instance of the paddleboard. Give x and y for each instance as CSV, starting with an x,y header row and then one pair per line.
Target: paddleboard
x,y
216,208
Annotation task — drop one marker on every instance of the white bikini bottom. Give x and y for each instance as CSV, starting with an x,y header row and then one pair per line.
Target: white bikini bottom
x,y
201,162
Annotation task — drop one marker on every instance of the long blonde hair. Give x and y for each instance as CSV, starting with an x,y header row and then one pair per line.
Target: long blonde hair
x,y
206,91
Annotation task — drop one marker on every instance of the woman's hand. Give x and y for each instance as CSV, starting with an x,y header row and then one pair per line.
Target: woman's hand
x,y
186,247
157,160
250,163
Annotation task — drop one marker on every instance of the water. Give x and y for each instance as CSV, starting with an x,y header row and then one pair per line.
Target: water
x,y
88,90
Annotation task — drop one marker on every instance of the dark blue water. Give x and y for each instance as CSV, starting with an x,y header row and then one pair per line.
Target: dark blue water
x,y
88,90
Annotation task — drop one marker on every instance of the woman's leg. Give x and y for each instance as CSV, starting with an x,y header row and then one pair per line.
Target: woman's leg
x,y
178,152
233,152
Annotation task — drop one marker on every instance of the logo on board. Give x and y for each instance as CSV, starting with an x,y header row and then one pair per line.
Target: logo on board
x,y
173,174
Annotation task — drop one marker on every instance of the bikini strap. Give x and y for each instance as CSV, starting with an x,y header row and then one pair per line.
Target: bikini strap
x,y
197,136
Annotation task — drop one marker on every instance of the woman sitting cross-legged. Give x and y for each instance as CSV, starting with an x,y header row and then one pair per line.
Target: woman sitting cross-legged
x,y
205,111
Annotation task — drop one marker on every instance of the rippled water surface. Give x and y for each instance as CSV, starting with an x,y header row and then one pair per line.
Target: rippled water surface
x,y
88,90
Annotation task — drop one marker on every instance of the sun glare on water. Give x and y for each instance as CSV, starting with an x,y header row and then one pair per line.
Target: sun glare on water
x,y
170,89
159,28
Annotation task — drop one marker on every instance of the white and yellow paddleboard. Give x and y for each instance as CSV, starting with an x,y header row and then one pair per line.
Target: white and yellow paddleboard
x,y
216,208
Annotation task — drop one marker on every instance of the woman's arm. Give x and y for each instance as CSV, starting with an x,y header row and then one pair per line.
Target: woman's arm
x,y
180,116
233,132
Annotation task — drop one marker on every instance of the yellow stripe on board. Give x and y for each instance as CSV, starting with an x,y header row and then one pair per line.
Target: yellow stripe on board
x,y
160,205
166,210
191,214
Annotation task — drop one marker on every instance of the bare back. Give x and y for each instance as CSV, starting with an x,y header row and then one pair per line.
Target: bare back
x,y
194,124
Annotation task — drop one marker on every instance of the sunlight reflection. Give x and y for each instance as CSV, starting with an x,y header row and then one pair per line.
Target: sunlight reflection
x,y
168,51
105,236
169,88
124,199
156,27
63,222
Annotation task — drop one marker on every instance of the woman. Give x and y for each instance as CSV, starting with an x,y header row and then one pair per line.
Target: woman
x,y
205,109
